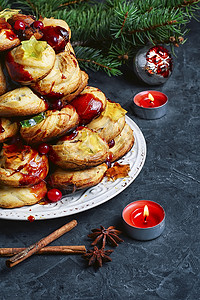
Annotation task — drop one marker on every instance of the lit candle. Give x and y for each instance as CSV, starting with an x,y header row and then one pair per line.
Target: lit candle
x,y
144,219
146,213
150,104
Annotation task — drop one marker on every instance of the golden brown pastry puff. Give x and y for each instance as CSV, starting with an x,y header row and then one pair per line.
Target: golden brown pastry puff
x,y
8,39
110,123
21,102
84,81
50,124
7,129
71,180
123,143
3,86
11,197
64,78
30,61
80,150
20,165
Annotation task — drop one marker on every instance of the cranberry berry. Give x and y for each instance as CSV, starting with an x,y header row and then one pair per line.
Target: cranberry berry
x,y
19,25
108,162
54,195
57,105
111,143
38,25
43,148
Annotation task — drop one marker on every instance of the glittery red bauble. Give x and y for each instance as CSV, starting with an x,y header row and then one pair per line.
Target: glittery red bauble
x,y
153,65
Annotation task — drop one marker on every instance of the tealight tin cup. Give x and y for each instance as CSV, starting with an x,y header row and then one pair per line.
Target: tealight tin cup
x,y
150,113
148,233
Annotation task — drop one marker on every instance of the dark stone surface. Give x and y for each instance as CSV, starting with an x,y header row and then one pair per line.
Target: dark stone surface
x,y
165,268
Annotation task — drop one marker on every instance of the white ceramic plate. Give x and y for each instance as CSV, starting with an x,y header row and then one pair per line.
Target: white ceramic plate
x,y
88,198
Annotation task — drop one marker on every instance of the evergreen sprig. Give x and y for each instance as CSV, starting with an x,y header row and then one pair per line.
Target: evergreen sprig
x,y
4,4
105,35
95,60
87,23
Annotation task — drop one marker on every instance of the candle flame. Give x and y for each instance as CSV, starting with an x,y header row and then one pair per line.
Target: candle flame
x,y
150,96
146,213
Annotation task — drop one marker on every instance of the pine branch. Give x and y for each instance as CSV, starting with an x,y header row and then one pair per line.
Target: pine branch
x,y
47,8
95,60
180,3
71,2
106,34
148,5
125,15
4,4
121,52
153,27
30,3
87,23
124,21
155,24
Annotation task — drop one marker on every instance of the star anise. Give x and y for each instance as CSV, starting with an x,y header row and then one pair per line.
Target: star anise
x,y
97,256
102,235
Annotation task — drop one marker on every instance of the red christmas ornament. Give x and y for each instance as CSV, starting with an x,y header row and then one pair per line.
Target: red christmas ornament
x,y
153,65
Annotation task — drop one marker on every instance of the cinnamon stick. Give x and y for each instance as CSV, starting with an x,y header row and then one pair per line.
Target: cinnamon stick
x,y
32,249
46,250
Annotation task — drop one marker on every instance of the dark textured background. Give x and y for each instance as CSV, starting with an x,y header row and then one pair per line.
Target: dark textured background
x,y
165,268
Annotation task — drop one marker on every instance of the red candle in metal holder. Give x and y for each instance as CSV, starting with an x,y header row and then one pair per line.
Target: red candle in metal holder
x,y
150,99
144,219
150,104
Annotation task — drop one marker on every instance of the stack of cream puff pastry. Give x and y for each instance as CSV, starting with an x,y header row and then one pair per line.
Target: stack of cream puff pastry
x,y
83,133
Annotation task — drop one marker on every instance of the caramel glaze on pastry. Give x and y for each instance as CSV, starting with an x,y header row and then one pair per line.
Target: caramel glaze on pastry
x,y
80,150
20,165
30,61
54,124
21,102
70,180
110,123
89,104
56,22
7,129
11,197
96,93
3,85
123,143
8,39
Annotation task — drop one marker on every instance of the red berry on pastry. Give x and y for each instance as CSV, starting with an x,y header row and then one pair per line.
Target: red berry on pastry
x,y
57,105
19,25
54,195
111,143
108,162
109,159
43,148
38,25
